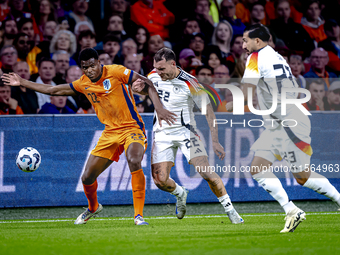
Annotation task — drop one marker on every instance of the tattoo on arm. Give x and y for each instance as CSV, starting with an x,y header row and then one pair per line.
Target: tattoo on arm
x,y
210,116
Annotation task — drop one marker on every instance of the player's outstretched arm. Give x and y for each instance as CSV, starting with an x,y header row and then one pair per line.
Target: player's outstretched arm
x,y
149,89
245,86
217,147
14,79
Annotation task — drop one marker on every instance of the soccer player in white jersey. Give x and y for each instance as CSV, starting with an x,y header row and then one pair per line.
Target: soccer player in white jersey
x,y
179,91
268,73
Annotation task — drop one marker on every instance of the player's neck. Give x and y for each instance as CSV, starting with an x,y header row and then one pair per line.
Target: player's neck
x,y
177,72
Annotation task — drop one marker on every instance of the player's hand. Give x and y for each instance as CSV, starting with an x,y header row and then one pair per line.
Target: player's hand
x,y
219,150
11,79
138,86
12,103
166,115
229,106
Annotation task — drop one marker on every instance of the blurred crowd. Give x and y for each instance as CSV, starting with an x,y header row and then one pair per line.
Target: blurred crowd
x,y
41,40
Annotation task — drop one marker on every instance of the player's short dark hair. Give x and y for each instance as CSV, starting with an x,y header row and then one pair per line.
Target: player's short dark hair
x,y
45,60
318,81
22,22
87,54
165,53
199,68
110,37
258,31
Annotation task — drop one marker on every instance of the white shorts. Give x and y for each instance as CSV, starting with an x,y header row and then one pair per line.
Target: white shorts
x,y
282,143
165,145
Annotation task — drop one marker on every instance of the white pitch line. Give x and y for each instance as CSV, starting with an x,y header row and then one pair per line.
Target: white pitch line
x,y
166,218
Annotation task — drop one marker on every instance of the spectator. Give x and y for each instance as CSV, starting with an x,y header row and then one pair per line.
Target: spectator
x,y
156,17
257,13
49,31
205,20
205,75
57,105
27,98
133,62
316,88
214,56
86,39
46,74
332,44
79,8
243,8
191,26
59,11
228,13
64,40
141,37
115,26
44,12
240,67
221,76
222,36
188,61
8,105
141,106
4,9
197,44
318,61
9,57
62,63
236,50
111,45
332,101
293,34
312,21
129,46
104,58
24,46
25,25
10,29
297,67
82,26
122,8
155,43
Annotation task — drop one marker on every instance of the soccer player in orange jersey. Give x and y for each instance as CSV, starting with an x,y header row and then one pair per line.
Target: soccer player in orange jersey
x,y
108,89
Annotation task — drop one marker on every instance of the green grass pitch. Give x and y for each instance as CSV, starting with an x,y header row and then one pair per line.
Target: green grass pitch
x,y
200,234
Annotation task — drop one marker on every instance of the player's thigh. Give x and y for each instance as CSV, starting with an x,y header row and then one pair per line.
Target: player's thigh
x,y
161,171
163,151
94,167
262,161
135,144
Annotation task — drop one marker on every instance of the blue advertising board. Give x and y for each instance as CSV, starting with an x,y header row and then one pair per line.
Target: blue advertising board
x,y
65,141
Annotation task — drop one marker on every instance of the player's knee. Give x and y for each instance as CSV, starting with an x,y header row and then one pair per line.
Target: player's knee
x,y
160,183
135,160
88,178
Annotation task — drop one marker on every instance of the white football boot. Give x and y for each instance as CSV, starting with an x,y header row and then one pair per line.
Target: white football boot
x,y
85,216
140,221
181,204
234,217
293,219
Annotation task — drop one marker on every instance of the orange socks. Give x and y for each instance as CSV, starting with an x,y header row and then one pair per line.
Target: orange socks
x,y
91,194
138,191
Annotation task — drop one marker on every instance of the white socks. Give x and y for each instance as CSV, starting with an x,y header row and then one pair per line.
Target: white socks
x,y
178,192
226,203
321,185
273,186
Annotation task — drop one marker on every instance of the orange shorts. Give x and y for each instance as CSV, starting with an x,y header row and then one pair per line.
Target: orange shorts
x,y
112,143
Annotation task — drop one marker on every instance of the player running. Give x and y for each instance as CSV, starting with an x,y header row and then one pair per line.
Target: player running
x,y
270,74
179,92
107,88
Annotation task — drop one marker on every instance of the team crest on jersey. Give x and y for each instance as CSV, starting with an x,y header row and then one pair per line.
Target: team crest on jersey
x,y
176,89
107,84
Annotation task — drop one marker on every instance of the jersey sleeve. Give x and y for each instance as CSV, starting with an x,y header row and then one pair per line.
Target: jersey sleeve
x,y
252,72
75,86
121,73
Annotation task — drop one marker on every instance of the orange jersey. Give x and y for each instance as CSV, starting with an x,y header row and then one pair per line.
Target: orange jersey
x,y
111,97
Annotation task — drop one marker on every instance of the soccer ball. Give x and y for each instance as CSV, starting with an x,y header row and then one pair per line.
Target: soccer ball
x,y
28,159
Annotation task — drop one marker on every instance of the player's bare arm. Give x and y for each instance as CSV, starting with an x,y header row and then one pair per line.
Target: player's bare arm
x,y
14,79
245,86
217,147
162,113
